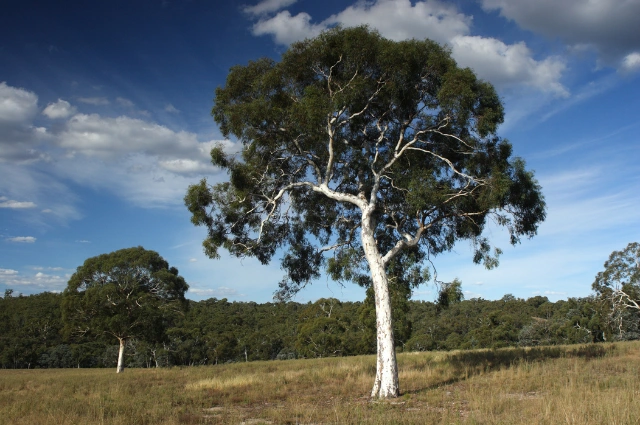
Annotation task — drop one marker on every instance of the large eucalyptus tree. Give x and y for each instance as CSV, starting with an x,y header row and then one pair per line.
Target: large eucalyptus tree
x,y
367,156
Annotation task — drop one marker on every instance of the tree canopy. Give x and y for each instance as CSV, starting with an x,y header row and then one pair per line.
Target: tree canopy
x,y
127,293
450,293
621,271
364,155
619,285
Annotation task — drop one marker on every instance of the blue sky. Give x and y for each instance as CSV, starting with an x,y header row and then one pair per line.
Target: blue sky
x,y
105,121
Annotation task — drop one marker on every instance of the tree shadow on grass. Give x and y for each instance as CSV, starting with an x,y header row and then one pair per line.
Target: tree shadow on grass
x,y
495,359
467,364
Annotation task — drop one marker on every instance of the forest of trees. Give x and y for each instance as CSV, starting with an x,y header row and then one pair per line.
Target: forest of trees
x,y
218,331
40,331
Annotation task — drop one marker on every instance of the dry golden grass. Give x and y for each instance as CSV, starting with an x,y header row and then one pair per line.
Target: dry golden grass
x,y
595,384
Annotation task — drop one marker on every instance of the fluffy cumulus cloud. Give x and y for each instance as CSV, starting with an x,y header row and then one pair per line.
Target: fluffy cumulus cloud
x,y
504,65
286,28
155,164
17,105
108,138
401,20
508,65
117,138
18,136
609,26
59,109
395,19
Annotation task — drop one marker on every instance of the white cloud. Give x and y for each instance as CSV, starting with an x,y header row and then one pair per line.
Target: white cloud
x,y
610,26
18,137
186,166
17,105
95,101
508,65
155,163
395,19
631,62
22,239
34,283
9,203
286,28
59,109
137,178
193,260
267,6
505,65
401,20
110,138
146,152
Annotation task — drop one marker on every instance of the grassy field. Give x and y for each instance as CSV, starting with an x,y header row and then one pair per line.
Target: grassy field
x,y
593,384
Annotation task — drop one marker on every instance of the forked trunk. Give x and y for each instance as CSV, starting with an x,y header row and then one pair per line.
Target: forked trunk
x,y
386,383
121,356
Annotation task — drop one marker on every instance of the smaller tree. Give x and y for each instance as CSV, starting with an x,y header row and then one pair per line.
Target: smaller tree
x,y
619,284
130,293
450,293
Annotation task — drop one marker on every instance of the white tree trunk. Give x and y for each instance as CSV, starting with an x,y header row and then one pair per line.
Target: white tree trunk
x,y
386,383
121,356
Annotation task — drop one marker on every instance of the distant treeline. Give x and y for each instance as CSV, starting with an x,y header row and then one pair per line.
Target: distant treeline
x,y
32,333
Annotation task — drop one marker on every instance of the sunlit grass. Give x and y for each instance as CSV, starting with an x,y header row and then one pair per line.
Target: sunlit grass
x,y
594,384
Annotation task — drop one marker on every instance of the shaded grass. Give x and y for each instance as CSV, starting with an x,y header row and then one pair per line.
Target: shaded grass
x,y
591,384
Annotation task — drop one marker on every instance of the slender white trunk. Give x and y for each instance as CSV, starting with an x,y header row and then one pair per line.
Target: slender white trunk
x,y
386,383
120,368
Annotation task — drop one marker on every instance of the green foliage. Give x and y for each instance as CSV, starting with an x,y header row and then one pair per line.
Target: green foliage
x,y
321,330
218,331
621,270
400,293
29,326
124,294
348,122
450,293
618,285
479,323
